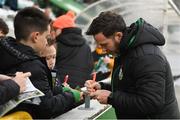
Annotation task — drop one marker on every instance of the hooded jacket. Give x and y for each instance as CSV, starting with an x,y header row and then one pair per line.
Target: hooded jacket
x,y
18,57
74,57
142,84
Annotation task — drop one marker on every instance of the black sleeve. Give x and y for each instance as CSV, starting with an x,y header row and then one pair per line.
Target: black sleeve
x,y
149,95
8,90
51,104
57,90
106,86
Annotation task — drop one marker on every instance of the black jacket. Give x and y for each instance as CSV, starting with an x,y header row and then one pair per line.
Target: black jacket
x,y
142,82
74,57
8,90
18,57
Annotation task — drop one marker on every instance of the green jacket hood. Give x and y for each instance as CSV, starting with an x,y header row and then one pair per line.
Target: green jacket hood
x,y
140,33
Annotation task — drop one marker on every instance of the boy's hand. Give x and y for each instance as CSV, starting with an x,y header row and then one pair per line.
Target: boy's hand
x,y
92,86
20,79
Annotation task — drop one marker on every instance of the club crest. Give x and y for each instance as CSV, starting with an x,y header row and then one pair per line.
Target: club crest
x,y
120,74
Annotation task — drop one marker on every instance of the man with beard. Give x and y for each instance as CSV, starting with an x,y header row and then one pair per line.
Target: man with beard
x,y
141,83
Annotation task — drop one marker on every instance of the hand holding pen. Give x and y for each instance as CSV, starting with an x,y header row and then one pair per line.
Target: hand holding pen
x,y
92,85
94,80
66,78
65,83
94,76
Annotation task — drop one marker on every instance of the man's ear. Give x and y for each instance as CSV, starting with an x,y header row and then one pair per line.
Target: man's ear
x,y
34,36
118,36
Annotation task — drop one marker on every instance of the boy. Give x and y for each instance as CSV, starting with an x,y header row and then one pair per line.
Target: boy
x,y
22,54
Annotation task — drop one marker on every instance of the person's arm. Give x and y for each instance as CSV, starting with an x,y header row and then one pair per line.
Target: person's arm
x,y
51,105
4,77
8,90
10,87
106,86
149,94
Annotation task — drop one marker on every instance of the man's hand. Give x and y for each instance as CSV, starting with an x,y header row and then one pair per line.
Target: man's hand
x,y
92,86
20,79
101,95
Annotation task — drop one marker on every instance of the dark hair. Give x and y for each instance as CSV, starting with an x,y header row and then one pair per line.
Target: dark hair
x,y
3,27
108,23
28,20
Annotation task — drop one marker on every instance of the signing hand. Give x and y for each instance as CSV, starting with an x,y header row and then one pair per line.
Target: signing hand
x,y
92,86
101,95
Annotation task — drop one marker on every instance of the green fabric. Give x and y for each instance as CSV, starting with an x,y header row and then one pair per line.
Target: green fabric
x,y
68,5
66,89
138,23
99,63
76,93
78,88
109,114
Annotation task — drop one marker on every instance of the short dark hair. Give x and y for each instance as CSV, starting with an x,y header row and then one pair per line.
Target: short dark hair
x,y
3,27
108,23
28,20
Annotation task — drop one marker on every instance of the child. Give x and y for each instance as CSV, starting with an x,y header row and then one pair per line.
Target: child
x,y
50,54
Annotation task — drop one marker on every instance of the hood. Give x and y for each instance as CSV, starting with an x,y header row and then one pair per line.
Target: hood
x,y
140,33
71,37
14,53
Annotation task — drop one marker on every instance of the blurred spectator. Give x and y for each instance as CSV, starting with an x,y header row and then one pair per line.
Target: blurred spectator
x,y
74,56
52,39
49,13
3,28
103,63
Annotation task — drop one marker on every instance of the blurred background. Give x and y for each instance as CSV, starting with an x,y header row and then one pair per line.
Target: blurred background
x,y
163,14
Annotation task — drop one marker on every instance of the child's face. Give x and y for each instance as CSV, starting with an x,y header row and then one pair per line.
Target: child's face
x,y
50,55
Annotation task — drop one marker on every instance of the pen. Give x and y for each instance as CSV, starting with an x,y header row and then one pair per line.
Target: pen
x,y
94,76
66,79
94,80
